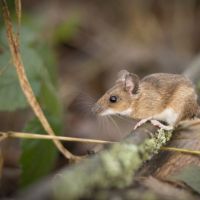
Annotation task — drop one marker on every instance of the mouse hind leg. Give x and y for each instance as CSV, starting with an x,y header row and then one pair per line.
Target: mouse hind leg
x,y
168,115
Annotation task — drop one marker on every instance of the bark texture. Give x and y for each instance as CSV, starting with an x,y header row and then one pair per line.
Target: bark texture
x,y
113,167
117,170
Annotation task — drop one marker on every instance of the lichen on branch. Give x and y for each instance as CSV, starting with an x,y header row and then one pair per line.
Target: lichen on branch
x,y
113,167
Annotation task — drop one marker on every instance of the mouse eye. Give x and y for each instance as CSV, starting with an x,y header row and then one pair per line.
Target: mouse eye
x,y
113,99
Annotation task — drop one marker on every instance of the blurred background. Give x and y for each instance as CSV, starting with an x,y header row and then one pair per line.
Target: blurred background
x,y
72,51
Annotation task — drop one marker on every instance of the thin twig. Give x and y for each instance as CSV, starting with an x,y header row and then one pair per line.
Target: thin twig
x,y
51,137
189,151
12,134
24,83
18,6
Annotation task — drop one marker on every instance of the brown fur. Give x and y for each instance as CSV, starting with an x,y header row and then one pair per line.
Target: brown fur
x,y
160,91
154,94
123,104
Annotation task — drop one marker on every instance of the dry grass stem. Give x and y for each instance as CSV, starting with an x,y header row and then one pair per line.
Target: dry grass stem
x,y
174,149
18,6
24,135
24,83
50,137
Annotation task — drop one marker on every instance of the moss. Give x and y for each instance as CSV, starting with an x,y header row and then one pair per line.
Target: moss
x,y
122,159
152,146
111,168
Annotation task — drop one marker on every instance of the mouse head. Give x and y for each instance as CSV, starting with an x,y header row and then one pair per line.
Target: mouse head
x,y
119,98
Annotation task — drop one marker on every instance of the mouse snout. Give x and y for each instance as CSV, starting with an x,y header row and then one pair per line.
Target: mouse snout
x,y
96,109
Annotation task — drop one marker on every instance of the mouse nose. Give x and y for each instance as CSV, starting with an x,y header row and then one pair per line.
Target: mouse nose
x,y
96,108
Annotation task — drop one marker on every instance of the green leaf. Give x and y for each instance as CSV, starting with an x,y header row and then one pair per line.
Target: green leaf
x,y
190,175
38,156
49,99
11,95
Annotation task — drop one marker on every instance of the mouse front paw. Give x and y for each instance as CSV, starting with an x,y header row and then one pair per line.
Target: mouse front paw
x,y
141,122
160,125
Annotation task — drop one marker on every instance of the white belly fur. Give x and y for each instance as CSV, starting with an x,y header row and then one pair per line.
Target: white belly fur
x,y
168,115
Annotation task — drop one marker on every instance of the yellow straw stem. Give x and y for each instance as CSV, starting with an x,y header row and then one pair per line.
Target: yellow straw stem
x,y
189,151
51,137
82,140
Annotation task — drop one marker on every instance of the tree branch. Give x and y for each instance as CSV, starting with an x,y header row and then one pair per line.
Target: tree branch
x,y
113,167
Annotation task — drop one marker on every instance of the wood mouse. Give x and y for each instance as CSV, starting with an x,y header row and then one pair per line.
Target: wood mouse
x,y
159,97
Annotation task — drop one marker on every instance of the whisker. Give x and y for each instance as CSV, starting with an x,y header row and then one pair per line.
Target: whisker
x,y
86,95
109,129
83,104
102,127
99,123
123,118
105,124
115,125
84,99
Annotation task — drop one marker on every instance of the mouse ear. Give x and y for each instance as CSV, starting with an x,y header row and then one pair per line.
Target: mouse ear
x,y
131,83
129,80
122,76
